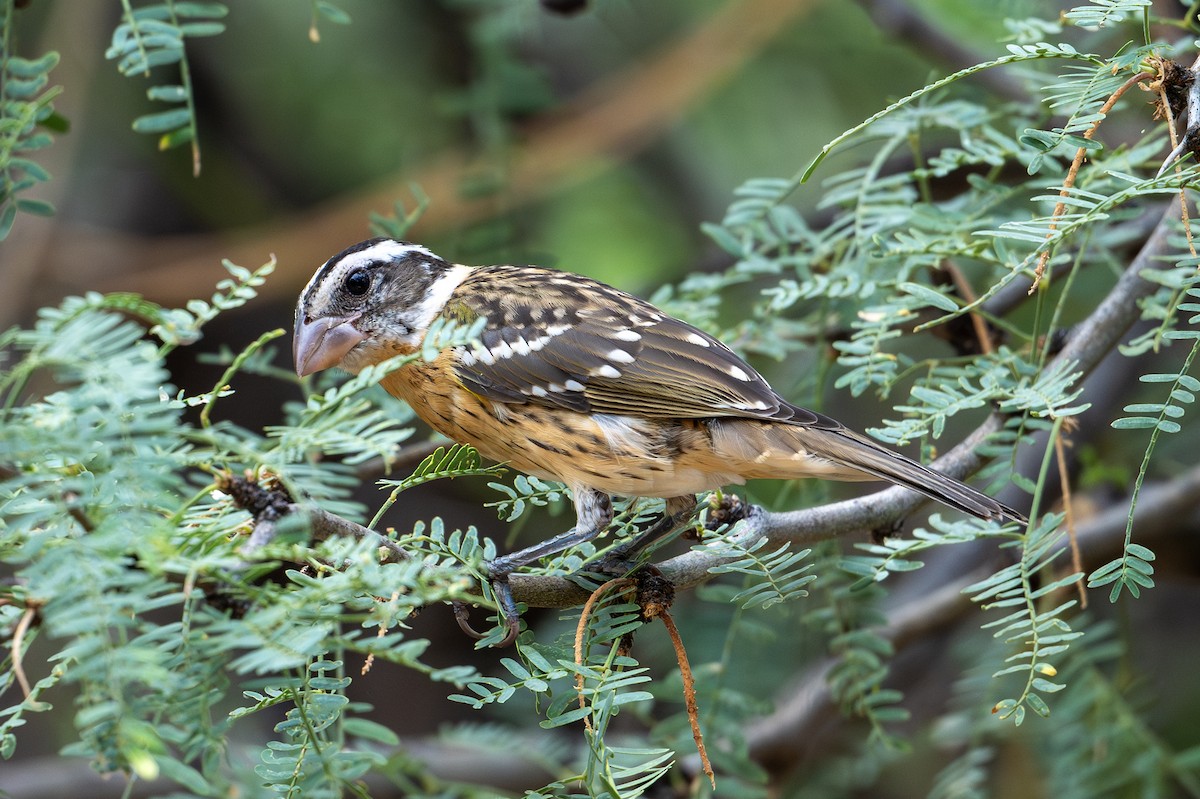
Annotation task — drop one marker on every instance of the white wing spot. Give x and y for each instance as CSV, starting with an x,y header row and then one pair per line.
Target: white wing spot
x,y
607,370
697,339
537,391
483,356
619,356
627,335
557,330
573,385
738,373
502,350
520,347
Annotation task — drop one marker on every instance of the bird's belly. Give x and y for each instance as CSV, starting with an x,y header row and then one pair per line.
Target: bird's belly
x,y
621,455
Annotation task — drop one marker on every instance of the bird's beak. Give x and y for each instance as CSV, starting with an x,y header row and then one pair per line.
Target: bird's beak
x,y
323,342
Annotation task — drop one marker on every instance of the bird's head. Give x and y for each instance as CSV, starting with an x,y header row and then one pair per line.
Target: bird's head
x,y
368,303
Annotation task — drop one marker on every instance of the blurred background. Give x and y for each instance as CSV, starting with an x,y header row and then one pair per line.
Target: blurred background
x,y
592,136
596,141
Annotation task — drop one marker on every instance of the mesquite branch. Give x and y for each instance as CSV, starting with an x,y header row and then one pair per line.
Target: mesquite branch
x,y
1087,344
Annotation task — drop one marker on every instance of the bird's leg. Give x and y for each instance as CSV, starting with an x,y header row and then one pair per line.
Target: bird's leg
x,y
593,512
677,511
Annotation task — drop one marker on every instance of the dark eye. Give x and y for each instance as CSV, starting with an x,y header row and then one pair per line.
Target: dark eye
x,y
358,282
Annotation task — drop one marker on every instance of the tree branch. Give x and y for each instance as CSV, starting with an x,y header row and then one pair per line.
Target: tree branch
x,y
1087,344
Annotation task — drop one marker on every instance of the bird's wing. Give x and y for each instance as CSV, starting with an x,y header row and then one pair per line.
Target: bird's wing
x,y
573,343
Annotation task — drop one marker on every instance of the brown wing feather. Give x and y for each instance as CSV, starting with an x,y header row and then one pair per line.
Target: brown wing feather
x,y
571,342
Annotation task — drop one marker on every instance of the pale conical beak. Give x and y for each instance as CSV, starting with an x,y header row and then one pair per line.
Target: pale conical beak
x,y
323,342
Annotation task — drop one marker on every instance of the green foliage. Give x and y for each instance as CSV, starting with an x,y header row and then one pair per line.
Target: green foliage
x,y
850,623
330,12
396,224
525,492
112,542
153,36
1037,634
26,119
776,576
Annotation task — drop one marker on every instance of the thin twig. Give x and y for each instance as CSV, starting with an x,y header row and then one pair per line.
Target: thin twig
x,y
1073,172
581,633
325,525
968,294
689,694
22,628
1064,480
805,705
1193,110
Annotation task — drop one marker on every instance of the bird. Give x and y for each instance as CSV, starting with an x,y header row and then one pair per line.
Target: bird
x,y
578,382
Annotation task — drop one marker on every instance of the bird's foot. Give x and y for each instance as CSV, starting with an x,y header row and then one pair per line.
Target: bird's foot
x,y
510,616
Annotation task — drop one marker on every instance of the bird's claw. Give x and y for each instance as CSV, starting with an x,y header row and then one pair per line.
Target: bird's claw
x,y
462,613
498,580
505,604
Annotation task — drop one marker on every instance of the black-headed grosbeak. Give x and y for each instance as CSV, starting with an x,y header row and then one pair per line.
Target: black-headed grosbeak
x,y
575,381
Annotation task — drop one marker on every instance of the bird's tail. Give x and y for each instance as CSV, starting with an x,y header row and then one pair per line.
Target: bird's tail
x,y
793,450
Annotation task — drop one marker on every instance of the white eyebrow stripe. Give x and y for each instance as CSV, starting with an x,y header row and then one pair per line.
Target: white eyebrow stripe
x,y
389,249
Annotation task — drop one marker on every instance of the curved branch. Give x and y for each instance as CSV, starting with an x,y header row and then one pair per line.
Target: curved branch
x,y
1087,344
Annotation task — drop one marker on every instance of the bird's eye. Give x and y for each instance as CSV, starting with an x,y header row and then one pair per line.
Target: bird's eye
x,y
358,282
